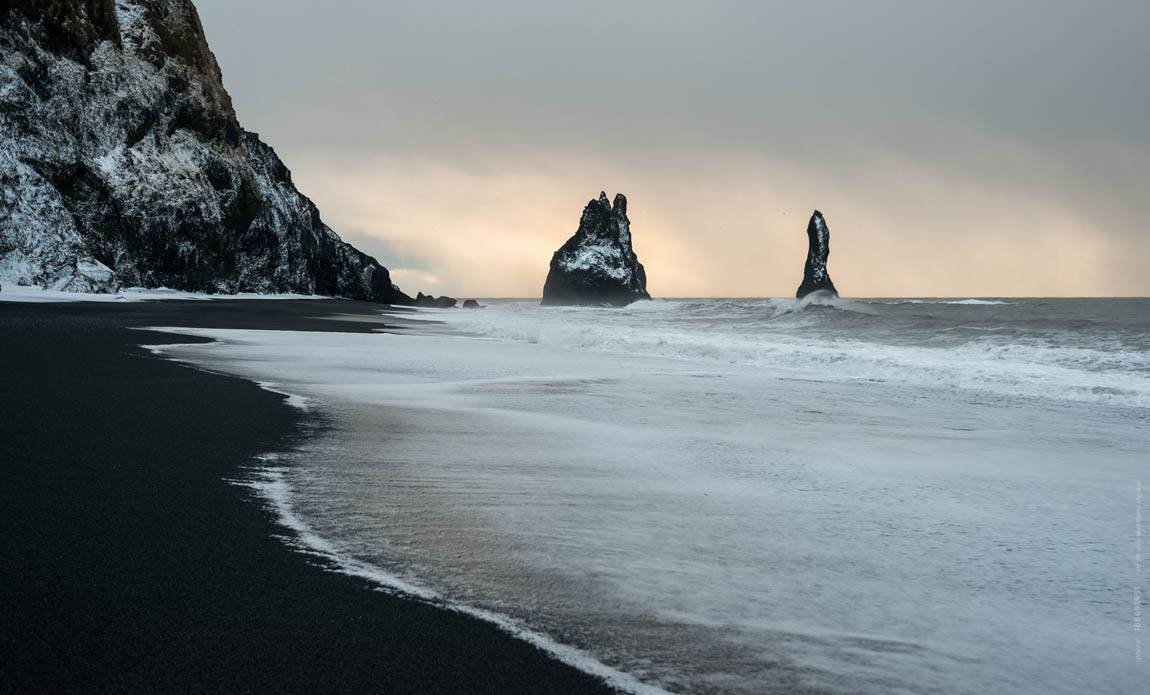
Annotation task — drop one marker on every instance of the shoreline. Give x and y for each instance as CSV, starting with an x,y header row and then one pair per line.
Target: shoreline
x,y
135,562
530,478
266,477
277,494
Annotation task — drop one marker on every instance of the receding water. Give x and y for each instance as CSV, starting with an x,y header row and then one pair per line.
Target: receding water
x,y
750,496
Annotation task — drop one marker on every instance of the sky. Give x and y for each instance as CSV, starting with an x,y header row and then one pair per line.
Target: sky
x,y
976,148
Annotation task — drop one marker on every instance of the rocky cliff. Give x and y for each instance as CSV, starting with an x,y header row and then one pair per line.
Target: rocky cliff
x,y
597,266
815,276
122,163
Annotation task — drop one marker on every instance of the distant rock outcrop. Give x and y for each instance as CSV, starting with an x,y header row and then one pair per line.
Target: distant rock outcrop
x,y
431,301
597,266
122,163
815,276
471,304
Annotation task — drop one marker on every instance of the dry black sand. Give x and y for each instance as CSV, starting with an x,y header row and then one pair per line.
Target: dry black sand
x,y
128,563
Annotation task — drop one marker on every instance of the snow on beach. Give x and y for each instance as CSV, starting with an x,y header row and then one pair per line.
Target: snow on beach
x,y
703,522
35,294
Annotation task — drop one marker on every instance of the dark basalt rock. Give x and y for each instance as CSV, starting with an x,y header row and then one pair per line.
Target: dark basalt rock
x,y
427,300
597,266
815,276
471,304
123,164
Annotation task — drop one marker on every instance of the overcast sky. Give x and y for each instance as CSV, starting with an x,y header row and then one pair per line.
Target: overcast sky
x,y
956,148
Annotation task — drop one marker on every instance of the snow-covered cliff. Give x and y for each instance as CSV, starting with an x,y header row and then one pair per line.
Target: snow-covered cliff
x,y
122,163
597,266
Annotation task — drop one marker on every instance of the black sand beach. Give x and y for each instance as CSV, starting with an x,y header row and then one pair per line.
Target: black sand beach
x,y
129,563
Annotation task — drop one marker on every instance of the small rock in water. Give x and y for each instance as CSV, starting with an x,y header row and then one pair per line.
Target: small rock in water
x,y
427,300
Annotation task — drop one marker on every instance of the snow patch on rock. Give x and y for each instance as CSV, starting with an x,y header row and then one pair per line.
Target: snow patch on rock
x,y
122,164
598,266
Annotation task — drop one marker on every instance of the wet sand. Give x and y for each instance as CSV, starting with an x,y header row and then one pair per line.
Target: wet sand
x,y
130,562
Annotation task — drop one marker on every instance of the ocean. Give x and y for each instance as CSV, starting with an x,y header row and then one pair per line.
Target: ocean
x,y
746,496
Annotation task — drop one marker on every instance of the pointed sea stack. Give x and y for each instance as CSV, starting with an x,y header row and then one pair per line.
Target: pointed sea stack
x,y
815,276
597,266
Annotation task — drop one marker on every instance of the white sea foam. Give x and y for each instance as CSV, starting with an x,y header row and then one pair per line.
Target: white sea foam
x,y
709,525
973,302
273,487
782,334
268,480
957,302
295,400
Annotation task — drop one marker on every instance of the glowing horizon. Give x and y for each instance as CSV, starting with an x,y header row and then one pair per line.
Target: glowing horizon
x,y
491,233
952,155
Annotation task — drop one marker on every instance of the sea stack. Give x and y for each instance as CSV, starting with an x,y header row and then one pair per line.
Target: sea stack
x,y
815,276
122,163
597,266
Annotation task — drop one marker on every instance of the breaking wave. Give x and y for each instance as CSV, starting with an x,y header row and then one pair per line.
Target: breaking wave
x,y
959,344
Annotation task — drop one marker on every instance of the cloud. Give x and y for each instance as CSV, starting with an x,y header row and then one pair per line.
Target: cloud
x,y
957,148
731,228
